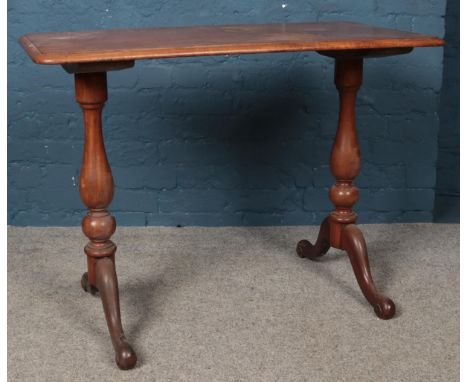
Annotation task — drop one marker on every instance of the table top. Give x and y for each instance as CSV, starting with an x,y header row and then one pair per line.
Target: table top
x,y
136,44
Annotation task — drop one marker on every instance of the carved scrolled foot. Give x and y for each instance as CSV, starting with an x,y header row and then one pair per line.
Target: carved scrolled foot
x,y
125,356
87,287
306,249
106,279
354,244
384,308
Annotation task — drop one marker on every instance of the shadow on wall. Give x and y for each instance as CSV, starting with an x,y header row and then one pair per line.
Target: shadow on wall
x,y
240,141
253,148
243,151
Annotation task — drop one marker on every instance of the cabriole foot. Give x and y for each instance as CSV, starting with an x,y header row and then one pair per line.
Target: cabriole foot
x,y
355,246
306,249
106,279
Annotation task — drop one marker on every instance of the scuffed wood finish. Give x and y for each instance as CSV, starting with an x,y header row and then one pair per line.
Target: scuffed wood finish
x,y
338,229
137,44
96,191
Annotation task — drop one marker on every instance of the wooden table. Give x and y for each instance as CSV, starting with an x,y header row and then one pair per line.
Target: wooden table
x,y
90,54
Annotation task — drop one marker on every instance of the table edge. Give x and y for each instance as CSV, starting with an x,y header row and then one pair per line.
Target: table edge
x,y
38,57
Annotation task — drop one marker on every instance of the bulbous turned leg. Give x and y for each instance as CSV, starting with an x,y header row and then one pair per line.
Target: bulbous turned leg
x,y
107,285
306,249
354,244
339,229
96,192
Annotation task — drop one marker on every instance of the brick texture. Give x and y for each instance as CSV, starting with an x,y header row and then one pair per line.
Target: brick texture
x,y
448,163
239,140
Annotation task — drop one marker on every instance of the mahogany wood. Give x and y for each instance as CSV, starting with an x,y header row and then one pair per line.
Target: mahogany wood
x,y
354,244
108,288
85,284
338,229
93,67
96,191
137,44
345,158
90,54
364,53
322,245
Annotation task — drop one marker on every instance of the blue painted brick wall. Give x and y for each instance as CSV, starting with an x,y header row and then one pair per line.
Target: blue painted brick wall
x,y
447,206
240,140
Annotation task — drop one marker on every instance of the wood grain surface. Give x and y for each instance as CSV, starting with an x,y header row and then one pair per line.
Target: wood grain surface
x,y
136,44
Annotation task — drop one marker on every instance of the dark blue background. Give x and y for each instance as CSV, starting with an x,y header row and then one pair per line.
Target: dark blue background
x,y
447,203
239,140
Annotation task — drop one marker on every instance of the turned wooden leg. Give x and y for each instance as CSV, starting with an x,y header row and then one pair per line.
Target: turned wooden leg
x,y
339,229
96,191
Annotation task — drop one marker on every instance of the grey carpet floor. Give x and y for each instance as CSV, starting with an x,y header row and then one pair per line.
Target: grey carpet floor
x,y
236,304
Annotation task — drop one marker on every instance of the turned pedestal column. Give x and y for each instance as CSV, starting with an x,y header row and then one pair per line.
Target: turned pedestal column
x,y
96,191
338,230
